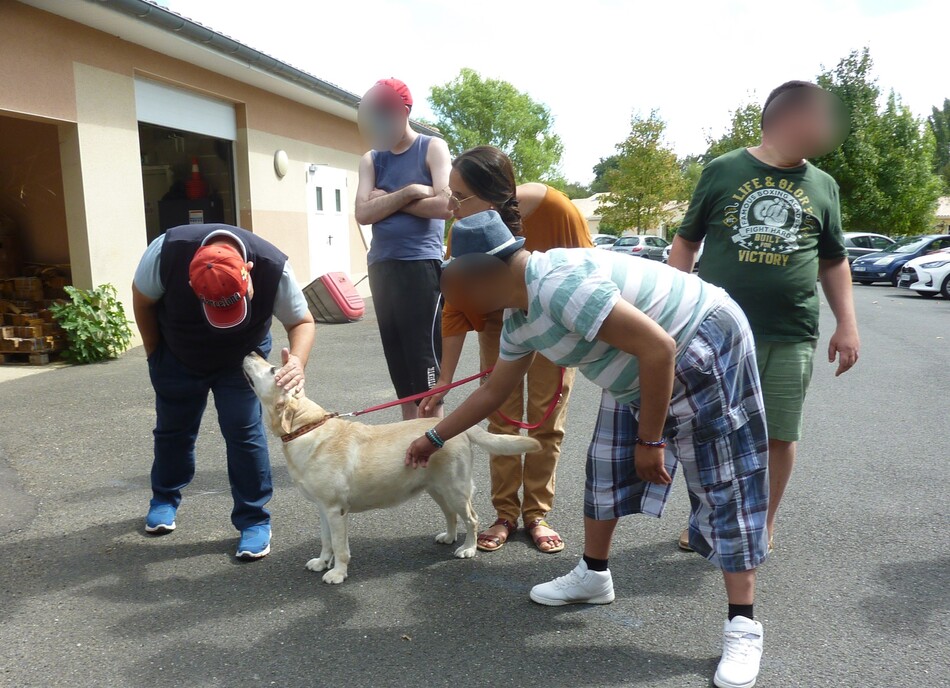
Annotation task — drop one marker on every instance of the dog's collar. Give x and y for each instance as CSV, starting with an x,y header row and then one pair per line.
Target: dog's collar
x,y
304,429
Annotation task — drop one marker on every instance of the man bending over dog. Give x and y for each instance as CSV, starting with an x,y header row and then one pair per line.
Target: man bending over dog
x,y
676,350
204,297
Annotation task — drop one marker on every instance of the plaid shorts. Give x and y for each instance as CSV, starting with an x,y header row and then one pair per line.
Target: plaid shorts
x,y
715,429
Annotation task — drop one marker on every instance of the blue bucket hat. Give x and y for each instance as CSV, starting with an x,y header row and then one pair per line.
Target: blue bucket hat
x,y
483,233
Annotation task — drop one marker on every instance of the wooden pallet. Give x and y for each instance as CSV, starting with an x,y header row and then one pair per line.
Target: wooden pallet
x,y
36,358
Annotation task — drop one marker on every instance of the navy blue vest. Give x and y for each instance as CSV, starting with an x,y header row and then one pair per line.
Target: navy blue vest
x,y
184,329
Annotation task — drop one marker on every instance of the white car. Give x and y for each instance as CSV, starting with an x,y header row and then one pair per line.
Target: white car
x,y
699,254
928,275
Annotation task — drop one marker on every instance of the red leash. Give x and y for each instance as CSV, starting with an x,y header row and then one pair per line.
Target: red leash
x,y
555,400
417,397
444,388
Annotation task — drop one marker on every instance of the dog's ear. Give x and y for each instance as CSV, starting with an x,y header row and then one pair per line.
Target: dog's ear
x,y
287,407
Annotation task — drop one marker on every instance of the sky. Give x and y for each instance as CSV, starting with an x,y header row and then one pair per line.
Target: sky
x,y
595,63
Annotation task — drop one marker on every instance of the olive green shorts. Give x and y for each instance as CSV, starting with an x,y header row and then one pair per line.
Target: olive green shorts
x,y
785,370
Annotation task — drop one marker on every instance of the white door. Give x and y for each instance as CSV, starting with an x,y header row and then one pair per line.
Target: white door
x,y
328,220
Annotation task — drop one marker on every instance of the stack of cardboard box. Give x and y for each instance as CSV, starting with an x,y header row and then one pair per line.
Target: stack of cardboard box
x,y
28,331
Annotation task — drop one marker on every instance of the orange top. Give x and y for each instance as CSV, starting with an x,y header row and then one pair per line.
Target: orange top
x,y
555,223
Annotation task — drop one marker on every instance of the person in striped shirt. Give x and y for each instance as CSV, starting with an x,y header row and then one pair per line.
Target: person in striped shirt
x,y
674,349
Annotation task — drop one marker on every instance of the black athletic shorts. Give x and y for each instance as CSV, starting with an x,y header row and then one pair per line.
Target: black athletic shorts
x,y
406,296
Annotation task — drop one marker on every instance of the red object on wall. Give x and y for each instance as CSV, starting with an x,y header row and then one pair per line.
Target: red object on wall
x,y
196,187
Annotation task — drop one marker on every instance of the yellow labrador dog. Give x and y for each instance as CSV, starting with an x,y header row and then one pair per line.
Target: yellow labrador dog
x,y
346,467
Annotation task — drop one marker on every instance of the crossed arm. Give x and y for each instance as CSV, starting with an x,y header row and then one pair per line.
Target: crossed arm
x,y
374,205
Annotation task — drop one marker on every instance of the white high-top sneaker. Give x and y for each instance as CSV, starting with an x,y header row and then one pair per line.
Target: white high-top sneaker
x,y
580,586
741,654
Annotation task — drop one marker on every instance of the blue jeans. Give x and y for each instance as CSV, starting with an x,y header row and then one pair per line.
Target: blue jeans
x,y
181,396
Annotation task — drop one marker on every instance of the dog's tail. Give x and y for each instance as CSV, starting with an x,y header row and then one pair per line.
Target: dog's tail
x,y
503,445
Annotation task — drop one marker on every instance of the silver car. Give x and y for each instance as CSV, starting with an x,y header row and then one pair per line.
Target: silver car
x,y
603,240
644,246
862,243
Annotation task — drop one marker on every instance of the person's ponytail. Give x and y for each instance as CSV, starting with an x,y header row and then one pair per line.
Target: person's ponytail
x,y
511,215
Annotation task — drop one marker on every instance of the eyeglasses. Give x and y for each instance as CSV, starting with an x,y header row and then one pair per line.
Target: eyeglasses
x,y
455,203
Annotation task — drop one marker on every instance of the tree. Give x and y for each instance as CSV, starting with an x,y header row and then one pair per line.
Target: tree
x,y
570,189
691,167
885,166
599,185
855,163
471,111
940,126
745,130
906,177
646,179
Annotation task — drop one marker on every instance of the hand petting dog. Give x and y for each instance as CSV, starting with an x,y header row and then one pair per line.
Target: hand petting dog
x,y
290,376
418,453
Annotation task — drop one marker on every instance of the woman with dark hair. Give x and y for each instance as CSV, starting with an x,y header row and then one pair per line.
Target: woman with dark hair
x,y
483,179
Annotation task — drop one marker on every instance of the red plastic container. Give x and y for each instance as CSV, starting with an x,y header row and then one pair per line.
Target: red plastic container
x,y
333,298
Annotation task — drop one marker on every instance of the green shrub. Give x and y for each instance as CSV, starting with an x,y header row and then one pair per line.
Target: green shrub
x,y
95,324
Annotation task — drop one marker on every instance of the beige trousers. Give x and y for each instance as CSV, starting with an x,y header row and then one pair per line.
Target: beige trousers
x,y
536,472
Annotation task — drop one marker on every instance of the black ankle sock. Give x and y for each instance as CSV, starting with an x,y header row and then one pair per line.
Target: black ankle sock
x,y
595,564
740,610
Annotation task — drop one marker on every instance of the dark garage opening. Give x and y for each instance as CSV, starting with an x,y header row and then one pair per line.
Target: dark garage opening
x,y
34,242
174,194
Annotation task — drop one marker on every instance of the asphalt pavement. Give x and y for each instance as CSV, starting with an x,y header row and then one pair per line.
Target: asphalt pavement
x,y
857,592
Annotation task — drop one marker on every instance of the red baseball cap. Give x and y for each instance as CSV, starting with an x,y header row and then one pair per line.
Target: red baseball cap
x,y
219,276
397,87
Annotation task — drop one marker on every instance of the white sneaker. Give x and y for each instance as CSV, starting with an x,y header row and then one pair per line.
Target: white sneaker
x,y
580,586
741,654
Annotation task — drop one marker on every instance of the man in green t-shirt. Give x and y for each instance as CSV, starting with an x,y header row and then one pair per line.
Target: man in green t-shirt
x,y
771,223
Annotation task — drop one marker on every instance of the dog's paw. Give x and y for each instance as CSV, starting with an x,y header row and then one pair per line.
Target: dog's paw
x,y
445,538
465,552
318,564
334,576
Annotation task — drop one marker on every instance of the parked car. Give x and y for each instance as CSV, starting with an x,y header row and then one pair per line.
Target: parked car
x,y
699,254
885,266
862,243
643,246
603,240
928,275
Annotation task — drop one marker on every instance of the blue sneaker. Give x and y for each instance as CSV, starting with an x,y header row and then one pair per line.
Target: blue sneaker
x,y
160,519
255,543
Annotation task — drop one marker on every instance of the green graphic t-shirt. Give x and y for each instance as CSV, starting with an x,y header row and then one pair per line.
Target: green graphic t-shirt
x,y
765,229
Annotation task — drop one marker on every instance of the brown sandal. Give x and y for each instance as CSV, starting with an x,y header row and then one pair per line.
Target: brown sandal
x,y
493,543
555,540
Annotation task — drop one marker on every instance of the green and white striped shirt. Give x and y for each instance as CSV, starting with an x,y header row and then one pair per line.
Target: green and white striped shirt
x,y
572,291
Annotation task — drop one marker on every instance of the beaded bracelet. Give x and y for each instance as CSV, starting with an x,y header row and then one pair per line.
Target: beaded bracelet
x,y
659,444
433,437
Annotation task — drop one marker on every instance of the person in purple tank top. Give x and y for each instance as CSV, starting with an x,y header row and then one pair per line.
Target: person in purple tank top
x,y
403,193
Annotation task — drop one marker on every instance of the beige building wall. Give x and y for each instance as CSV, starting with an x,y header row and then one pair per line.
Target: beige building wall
x,y
279,206
37,77
83,80
104,182
942,219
